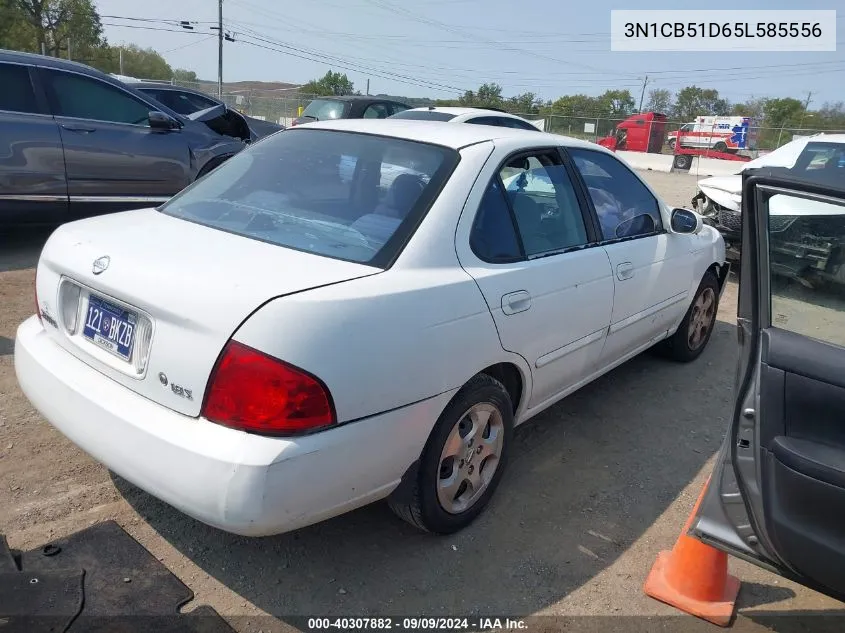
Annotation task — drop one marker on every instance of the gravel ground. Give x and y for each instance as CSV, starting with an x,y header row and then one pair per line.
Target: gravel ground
x,y
597,486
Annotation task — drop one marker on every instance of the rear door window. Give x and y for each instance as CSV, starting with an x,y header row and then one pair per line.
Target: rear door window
x,y
81,97
376,111
17,94
325,109
350,196
181,102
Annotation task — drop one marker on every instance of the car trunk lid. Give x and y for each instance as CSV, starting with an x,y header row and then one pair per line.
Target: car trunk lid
x,y
170,292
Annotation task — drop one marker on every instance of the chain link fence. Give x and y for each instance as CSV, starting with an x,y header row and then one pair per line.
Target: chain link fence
x,y
592,128
283,105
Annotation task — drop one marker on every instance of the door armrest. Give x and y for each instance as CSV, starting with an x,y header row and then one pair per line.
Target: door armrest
x,y
818,461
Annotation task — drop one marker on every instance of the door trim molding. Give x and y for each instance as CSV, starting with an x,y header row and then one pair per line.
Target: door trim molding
x,y
639,316
574,346
34,198
119,198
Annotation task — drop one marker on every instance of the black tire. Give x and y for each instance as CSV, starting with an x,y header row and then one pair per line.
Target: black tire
x,y
678,347
682,161
721,146
672,144
420,505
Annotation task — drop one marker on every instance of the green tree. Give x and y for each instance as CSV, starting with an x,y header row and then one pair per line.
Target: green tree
x,y
180,74
752,108
659,100
490,95
330,84
780,113
616,103
693,101
143,63
15,32
575,105
525,103
61,24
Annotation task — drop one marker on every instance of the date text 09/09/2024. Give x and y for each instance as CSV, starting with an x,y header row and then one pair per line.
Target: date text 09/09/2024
x,y
749,30
416,624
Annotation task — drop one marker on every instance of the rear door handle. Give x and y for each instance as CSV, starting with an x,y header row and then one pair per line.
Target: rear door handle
x,y
624,271
514,302
79,128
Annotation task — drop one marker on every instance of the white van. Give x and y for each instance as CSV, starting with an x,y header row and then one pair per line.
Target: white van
x,y
720,133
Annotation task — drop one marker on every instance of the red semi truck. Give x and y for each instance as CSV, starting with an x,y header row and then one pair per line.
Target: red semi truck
x,y
644,132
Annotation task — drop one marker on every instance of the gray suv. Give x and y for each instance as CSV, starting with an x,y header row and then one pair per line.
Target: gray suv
x,y
77,142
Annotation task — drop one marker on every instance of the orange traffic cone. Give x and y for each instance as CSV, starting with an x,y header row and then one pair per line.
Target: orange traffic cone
x,y
694,578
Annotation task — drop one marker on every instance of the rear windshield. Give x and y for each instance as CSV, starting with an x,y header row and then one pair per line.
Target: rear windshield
x,y
350,196
423,115
325,109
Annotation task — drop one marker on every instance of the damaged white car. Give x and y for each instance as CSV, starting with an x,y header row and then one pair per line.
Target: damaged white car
x,y
810,246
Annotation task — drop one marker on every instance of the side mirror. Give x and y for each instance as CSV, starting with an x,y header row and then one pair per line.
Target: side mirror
x,y
160,121
686,221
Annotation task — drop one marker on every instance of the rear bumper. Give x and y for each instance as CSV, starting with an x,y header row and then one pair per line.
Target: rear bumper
x,y
238,482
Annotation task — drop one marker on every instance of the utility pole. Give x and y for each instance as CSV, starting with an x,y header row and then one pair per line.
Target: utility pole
x,y
120,55
368,85
43,48
219,49
642,94
806,105
68,47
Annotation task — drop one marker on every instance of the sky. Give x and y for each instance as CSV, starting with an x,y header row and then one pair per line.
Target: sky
x,y
439,48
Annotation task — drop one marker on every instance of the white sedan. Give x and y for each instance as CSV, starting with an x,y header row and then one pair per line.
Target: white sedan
x,y
277,345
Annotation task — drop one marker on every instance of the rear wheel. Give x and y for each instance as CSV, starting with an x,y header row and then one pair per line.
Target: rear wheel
x,y
721,146
672,145
695,330
463,460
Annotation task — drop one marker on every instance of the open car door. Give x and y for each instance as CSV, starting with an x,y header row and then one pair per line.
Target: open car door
x,y
777,494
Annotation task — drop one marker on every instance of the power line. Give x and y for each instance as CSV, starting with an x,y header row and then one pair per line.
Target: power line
x,y
320,57
152,28
205,39
436,23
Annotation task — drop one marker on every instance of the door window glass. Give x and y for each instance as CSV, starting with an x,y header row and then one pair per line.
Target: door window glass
x,y
81,97
544,204
493,237
625,206
807,267
17,94
181,102
376,111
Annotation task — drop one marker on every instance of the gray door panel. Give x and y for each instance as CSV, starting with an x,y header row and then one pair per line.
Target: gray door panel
x,y
110,151
33,187
777,496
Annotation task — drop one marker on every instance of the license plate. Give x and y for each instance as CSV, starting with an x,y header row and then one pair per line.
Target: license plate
x,y
110,326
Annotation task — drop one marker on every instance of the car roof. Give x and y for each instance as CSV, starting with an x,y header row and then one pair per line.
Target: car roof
x,y
443,133
355,98
50,62
63,64
458,111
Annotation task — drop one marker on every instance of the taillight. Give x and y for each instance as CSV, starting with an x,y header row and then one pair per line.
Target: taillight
x,y
251,391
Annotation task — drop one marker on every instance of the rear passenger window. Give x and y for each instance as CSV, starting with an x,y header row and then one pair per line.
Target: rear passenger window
x,y
493,237
625,207
81,97
376,111
17,94
545,206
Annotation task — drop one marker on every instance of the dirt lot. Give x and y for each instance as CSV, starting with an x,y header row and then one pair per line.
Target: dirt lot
x,y
597,486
